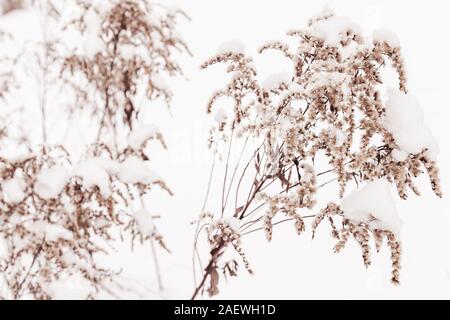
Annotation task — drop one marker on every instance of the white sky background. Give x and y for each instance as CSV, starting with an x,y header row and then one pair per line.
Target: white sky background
x,y
294,267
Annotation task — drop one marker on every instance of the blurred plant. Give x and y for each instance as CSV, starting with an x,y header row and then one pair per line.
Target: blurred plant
x,y
60,211
328,110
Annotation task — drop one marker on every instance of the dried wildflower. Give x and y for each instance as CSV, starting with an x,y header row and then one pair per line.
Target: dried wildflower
x,y
130,49
327,109
60,210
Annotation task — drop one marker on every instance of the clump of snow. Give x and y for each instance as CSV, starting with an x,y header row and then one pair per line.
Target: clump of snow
x,y
340,136
14,190
295,87
274,81
154,16
144,222
50,182
134,170
235,46
68,287
126,51
14,155
93,173
220,115
373,204
404,119
92,41
140,135
334,30
326,12
3,248
383,35
92,21
107,164
51,232
231,222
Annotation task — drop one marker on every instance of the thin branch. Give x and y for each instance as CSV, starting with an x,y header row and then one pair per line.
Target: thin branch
x,y
274,224
226,172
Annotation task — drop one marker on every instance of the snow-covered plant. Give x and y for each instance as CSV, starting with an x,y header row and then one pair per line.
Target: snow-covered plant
x,y
7,6
331,118
129,48
60,210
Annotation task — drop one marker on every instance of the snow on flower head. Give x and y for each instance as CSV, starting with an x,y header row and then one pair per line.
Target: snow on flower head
x,y
326,79
233,223
383,35
404,119
220,116
134,170
51,232
373,204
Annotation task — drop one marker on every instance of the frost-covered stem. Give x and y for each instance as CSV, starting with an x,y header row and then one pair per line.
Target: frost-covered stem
x,y
35,257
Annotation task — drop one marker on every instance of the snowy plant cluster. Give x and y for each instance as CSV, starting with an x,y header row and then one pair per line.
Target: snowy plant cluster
x,y
7,6
52,212
60,211
332,107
